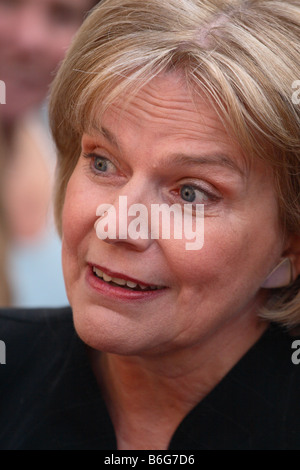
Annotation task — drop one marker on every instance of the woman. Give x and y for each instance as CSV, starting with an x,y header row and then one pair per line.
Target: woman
x,y
180,103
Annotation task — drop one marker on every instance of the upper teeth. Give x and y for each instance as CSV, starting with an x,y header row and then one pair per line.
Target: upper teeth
x,y
119,281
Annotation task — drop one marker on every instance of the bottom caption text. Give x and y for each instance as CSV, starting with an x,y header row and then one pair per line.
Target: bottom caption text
x,y
138,459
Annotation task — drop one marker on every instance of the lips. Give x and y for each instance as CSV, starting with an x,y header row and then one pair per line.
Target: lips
x,y
133,290
122,280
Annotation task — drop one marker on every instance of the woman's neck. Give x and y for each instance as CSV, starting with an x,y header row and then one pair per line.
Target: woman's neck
x,y
148,396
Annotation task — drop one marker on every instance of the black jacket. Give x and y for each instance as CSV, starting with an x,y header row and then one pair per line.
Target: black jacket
x,y
49,398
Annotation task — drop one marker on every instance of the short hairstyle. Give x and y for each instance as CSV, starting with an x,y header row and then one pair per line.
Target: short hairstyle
x,y
244,55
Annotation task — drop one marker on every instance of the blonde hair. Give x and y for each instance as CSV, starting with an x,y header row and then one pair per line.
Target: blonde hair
x,y
245,56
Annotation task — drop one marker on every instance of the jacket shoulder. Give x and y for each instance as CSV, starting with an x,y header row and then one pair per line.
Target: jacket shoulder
x,y
35,315
23,331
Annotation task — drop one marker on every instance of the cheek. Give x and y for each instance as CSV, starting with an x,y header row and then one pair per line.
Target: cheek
x,y
79,216
74,222
236,255
196,271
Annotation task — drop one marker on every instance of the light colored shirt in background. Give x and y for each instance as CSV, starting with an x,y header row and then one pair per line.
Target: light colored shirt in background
x,y
34,261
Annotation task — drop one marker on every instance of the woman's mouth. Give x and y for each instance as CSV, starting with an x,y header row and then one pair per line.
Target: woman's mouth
x,y
120,282
120,285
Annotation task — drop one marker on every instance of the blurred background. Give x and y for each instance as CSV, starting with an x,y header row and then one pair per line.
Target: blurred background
x,y
34,37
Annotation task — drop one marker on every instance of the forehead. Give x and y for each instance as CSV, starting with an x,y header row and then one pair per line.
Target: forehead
x,y
166,100
167,114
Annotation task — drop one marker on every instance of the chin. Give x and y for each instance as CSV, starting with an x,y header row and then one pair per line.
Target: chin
x,y
108,331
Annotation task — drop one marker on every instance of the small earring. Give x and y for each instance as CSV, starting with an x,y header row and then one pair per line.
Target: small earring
x,y
281,276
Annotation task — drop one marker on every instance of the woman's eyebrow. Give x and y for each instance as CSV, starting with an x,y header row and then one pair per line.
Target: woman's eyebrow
x,y
108,135
205,159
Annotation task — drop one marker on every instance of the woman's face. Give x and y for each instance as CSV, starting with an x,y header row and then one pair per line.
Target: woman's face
x,y
163,149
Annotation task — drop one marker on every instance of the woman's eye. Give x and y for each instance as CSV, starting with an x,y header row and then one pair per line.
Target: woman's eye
x,y
101,164
191,194
188,193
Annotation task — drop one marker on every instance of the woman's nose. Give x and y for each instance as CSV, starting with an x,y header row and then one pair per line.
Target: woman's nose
x,y
125,222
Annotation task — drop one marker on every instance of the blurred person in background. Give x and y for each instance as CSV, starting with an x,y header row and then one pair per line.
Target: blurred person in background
x,y
34,36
